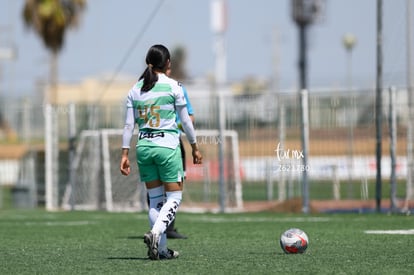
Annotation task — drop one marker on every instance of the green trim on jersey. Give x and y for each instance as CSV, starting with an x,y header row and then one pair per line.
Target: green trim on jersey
x,y
166,114
158,87
159,101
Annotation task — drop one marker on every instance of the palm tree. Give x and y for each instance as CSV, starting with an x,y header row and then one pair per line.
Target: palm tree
x,y
50,19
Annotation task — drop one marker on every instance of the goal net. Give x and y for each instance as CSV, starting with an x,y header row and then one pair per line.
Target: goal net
x,y
98,184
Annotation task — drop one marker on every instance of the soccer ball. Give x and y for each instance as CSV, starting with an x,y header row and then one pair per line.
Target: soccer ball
x,y
294,241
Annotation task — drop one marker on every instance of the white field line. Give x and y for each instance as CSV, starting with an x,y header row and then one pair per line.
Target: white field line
x,y
260,219
57,223
391,232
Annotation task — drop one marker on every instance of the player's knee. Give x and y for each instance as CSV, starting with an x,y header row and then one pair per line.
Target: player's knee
x,y
174,196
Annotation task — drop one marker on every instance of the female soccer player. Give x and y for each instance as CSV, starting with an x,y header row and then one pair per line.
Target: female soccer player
x,y
152,104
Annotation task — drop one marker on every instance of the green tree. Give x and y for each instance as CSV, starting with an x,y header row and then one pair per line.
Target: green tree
x,y
50,19
178,58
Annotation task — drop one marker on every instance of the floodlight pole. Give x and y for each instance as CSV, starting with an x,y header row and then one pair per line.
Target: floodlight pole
x,y
378,108
304,13
304,114
303,64
410,95
218,26
393,144
349,41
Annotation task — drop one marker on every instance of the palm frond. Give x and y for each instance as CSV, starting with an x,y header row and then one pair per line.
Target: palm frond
x,y
51,18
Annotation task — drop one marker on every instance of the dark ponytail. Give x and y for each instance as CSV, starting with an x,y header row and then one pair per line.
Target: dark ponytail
x,y
157,61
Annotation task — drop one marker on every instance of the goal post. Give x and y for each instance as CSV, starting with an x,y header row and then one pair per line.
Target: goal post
x,y
211,138
99,185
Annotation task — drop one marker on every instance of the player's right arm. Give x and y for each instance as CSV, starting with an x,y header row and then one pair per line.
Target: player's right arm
x,y
127,136
125,166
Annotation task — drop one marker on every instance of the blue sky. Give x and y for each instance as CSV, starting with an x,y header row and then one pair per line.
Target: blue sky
x,y
109,27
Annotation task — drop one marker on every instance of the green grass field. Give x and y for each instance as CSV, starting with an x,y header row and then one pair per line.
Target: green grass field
x,y
318,190
39,242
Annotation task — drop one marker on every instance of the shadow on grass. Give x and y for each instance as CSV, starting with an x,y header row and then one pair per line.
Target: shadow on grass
x,y
135,237
129,258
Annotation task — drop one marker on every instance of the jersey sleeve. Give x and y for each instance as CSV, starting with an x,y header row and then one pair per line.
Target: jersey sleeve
x,y
129,122
187,124
179,95
189,106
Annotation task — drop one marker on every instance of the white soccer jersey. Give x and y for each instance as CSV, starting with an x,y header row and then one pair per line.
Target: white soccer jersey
x,y
155,112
